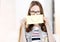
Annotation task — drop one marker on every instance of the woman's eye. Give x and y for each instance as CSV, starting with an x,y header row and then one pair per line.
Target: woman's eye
x,y
35,12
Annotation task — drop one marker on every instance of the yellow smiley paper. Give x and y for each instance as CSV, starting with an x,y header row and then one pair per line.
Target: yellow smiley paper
x,y
34,19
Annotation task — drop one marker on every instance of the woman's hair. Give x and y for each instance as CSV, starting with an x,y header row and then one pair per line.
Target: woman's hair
x,y
42,25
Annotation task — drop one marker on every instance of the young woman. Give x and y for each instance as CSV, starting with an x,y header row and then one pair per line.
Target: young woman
x,y
34,32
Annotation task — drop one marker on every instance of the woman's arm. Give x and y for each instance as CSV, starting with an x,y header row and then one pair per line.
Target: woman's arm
x,y
21,31
50,34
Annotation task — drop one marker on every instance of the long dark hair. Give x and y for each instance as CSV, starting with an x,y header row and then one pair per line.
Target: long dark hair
x,y
42,25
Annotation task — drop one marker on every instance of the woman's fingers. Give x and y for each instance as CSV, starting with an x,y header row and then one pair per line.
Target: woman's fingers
x,y
23,21
46,21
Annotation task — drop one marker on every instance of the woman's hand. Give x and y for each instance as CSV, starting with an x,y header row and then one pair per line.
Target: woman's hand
x,y
23,21
46,21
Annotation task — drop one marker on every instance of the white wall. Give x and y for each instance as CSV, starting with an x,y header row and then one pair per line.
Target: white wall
x,y
8,30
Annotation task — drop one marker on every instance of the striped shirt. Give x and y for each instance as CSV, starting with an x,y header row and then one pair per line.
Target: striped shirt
x,y
36,35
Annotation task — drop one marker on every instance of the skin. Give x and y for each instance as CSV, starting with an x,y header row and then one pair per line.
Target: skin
x,y
35,8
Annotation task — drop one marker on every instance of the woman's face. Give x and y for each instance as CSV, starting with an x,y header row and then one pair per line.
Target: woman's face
x,y
35,10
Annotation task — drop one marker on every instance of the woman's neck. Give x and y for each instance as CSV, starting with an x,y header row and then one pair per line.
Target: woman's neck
x,y
36,25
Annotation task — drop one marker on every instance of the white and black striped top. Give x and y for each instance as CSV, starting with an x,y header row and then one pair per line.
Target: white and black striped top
x,y
36,35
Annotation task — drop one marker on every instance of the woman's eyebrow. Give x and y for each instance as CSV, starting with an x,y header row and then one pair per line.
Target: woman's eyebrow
x,y
35,11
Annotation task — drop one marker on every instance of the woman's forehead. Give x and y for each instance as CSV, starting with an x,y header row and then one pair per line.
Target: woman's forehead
x,y
35,8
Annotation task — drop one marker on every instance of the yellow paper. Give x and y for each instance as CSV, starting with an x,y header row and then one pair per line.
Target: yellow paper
x,y
34,19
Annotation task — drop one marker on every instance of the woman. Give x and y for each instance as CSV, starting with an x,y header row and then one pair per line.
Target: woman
x,y
34,32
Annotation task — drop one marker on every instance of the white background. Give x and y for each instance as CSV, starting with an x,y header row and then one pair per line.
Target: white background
x,y
11,13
